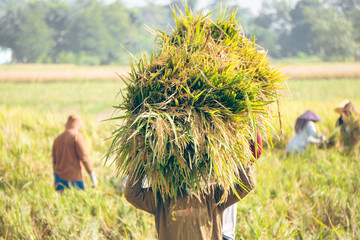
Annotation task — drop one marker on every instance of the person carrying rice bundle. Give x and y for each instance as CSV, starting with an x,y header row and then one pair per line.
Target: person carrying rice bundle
x,y
191,111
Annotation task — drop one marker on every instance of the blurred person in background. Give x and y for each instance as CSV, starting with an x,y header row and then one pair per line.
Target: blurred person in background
x,y
347,110
70,156
346,126
339,108
305,133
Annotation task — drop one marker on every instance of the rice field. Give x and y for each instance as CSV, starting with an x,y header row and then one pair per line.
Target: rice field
x,y
314,196
59,72
322,70
68,72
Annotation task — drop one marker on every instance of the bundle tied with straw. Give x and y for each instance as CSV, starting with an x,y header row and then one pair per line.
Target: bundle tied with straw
x,y
193,106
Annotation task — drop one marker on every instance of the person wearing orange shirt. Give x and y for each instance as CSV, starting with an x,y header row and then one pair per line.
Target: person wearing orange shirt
x,y
70,156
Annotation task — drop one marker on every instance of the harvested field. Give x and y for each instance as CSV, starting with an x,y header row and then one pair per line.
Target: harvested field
x,y
313,196
322,70
52,72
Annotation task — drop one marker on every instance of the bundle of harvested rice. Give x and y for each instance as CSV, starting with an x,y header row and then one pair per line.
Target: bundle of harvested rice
x,y
192,107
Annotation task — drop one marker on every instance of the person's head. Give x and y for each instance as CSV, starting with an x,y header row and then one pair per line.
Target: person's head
x,y
349,110
74,122
300,124
303,120
339,108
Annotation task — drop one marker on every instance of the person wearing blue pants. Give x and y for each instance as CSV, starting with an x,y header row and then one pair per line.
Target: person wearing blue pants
x,y
70,156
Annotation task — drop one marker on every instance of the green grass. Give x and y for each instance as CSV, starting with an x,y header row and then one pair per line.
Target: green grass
x,y
323,91
307,197
67,97
29,206
314,196
321,96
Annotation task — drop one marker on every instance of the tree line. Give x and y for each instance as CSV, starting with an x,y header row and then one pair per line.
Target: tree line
x,y
94,32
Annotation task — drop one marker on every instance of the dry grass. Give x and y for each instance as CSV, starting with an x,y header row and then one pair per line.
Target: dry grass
x,y
53,72
191,108
323,70
313,196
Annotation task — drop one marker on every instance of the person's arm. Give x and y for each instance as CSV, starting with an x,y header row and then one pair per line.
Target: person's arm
x,y
139,197
246,176
315,138
247,185
84,157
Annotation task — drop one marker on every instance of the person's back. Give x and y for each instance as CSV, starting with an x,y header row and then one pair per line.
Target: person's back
x,y
190,216
70,154
302,139
67,164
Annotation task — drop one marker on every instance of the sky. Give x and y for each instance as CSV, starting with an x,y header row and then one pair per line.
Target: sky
x,y
254,5
5,56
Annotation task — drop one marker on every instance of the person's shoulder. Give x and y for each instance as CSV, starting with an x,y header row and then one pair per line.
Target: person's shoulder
x,y
213,193
60,136
78,135
310,124
68,134
60,139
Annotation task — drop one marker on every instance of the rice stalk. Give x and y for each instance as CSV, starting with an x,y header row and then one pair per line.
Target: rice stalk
x,y
192,107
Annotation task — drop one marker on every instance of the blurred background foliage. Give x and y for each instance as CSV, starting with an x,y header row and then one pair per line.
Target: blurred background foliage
x,y
99,32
